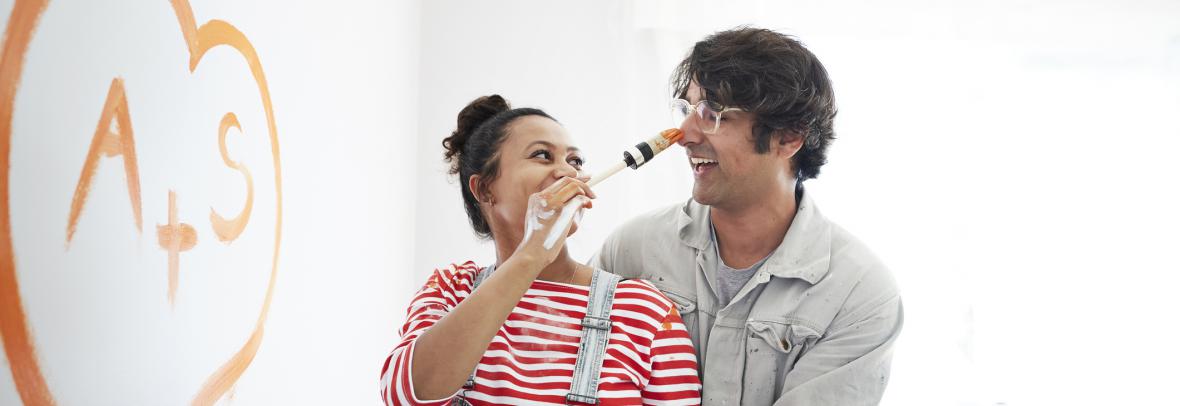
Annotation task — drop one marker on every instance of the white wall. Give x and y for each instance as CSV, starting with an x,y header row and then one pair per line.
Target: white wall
x,y
342,78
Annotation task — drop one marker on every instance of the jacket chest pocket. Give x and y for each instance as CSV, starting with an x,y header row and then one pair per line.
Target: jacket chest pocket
x,y
772,348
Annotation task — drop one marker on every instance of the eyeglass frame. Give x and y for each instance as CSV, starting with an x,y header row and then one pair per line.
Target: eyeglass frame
x,y
696,108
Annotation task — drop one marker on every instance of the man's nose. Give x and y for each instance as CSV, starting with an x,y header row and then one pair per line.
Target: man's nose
x,y
692,133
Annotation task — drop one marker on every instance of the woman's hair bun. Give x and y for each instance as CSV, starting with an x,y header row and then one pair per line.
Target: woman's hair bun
x,y
470,118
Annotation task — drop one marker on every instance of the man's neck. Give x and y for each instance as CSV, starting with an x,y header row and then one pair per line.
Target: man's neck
x,y
747,234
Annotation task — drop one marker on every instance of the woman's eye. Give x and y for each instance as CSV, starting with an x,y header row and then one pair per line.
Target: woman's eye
x,y
541,153
577,162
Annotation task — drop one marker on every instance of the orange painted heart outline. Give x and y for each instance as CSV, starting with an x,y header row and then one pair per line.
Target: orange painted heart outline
x,y
14,329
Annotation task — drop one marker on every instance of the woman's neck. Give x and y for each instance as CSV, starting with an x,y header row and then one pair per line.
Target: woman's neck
x,y
562,270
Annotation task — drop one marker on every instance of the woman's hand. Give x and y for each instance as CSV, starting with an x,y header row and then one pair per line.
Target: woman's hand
x,y
549,217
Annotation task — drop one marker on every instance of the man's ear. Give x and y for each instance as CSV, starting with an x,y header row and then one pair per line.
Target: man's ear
x,y
789,142
477,190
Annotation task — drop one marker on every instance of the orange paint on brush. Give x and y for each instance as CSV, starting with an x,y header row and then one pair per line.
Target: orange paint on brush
x,y
640,154
671,136
14,328
109,144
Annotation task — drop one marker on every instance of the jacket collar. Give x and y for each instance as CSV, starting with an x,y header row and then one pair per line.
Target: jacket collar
x,y
805,252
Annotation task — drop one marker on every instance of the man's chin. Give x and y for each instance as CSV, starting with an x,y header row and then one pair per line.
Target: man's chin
x,y
703,197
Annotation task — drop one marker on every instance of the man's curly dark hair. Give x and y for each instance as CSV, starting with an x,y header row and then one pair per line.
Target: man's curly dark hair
x,y
773,76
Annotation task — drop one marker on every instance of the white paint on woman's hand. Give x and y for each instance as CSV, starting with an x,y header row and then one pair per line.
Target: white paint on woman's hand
x,y
533,216
567,215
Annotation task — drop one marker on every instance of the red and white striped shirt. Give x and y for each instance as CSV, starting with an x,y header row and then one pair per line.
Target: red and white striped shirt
x,y
649,358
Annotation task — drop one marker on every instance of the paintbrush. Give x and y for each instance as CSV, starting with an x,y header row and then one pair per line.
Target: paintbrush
x,y
633,157
640,154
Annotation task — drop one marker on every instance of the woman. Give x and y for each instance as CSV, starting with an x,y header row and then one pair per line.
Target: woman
x,y
519,338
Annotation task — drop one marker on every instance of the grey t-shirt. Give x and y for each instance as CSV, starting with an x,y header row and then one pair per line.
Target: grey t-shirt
x,y
730,280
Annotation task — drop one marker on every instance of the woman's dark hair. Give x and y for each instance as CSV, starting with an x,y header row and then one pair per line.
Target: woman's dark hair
x,y
772,76
474,149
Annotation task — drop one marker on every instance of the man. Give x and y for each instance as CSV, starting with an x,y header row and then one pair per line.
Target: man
x,y
783,306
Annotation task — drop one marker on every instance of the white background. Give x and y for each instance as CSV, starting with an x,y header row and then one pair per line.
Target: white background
x,y
343,80
1012,162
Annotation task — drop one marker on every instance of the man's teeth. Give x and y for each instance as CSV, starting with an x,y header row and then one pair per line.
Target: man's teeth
x,y
698,161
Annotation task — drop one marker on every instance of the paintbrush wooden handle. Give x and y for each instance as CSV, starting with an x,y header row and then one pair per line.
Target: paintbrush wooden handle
x,y
601,176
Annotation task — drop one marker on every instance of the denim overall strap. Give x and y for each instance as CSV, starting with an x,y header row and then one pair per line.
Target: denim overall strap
x,y
595,336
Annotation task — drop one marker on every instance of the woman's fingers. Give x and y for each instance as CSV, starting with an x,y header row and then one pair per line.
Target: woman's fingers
x,y
582,182
565,189
553,211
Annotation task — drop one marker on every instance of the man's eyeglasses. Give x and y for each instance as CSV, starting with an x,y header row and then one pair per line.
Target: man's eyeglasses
x,y
708,114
